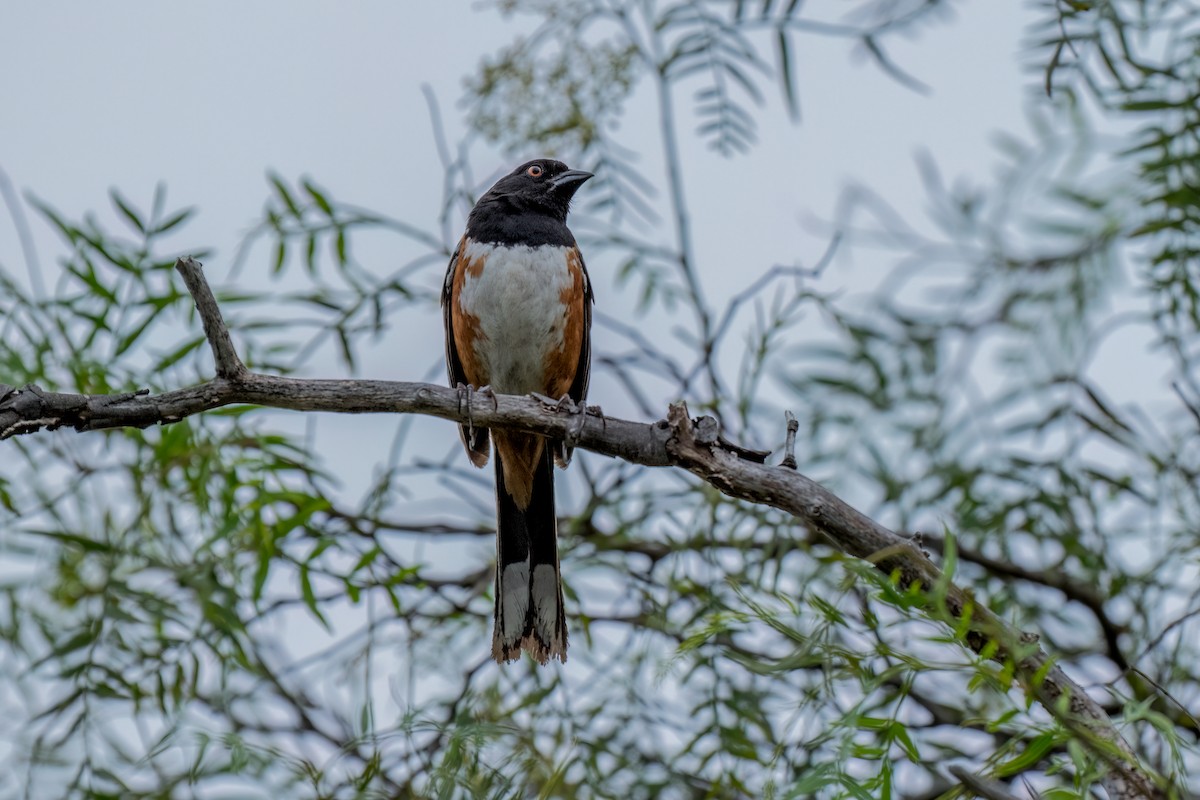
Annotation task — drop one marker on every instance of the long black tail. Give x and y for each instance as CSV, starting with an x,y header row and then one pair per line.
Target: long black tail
x,y
529,600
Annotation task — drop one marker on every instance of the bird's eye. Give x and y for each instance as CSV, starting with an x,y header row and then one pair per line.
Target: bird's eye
x,y
534,171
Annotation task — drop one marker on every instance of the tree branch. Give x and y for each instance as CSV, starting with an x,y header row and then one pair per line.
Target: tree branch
x,y
694,445
1088,596
228,364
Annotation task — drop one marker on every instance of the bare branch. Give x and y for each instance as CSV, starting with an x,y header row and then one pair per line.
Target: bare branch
x,y
789,445
228,364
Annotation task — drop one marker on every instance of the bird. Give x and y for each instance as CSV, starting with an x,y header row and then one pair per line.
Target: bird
x,y
517,309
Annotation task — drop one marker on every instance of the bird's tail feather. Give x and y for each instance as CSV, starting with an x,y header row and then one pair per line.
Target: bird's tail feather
x,y
529,600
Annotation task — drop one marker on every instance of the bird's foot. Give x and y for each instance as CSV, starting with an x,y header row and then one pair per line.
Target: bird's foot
x,y
466,393
578,413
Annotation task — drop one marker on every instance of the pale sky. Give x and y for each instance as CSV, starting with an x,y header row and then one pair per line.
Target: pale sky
x,y
206,98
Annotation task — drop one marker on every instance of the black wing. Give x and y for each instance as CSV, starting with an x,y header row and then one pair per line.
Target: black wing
x,y
474,439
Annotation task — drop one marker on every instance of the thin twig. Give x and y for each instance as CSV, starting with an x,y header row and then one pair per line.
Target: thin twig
x,y
229,366
789,446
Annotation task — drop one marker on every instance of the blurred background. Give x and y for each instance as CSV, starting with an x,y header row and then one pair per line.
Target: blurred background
x,y
959,241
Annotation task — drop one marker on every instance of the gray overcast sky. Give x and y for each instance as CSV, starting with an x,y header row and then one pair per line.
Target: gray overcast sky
x,y
207,97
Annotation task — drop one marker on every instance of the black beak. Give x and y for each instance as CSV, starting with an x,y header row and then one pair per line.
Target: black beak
x,y
572,178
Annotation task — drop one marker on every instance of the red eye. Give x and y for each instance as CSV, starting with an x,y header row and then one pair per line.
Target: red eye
x,y
534,171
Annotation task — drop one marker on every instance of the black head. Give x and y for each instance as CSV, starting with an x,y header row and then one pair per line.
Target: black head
x,y
542,186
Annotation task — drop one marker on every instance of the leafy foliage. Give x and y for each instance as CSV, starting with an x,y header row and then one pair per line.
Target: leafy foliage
x,y
203,605
1154,79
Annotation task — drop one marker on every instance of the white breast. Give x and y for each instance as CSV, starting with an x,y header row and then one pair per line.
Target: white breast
x,y
516,298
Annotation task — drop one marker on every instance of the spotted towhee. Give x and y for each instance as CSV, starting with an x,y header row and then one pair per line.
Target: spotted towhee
x,y
517,309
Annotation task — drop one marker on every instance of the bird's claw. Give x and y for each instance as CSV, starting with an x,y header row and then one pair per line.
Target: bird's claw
x,y
465,393
578,412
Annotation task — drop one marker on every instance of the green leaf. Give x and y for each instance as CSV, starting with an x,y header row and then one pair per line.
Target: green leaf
x,y
1035,750
127,341
261,572
310,599
282,191
736,743
173,221
786,80
899,733
174,356
340,246
318,198
127,211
